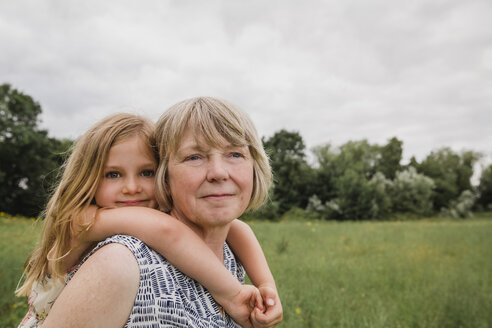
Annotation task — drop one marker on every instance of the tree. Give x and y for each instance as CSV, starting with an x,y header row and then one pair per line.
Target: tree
x,y
29,158
332,164
347,184
291,171
354,197
485,189
325,173
411,192
381,200
357,198
389,162
360,156
451,173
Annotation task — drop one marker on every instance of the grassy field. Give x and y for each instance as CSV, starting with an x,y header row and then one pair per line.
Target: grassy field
x,y
427,273
17,239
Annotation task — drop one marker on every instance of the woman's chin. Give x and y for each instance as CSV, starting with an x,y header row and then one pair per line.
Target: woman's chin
x,y
218,217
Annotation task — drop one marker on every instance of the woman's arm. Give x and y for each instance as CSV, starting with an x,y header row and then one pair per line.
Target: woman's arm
x,y
245,245
181,247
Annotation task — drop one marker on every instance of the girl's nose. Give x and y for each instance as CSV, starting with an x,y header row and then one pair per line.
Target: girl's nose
x,y
131,186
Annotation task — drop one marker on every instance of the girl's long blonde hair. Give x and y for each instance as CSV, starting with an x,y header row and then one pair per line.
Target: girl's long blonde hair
x,y
75,191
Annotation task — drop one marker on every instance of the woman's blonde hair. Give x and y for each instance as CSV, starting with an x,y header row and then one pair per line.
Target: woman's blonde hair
x,y
215,121
75,191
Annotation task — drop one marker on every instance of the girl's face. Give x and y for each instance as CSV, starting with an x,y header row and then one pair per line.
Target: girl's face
x,y
128,176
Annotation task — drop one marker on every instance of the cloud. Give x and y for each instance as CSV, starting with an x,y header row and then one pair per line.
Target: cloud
x,y
334,71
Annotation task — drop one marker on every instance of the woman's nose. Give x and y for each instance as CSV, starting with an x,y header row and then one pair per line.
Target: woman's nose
x,y
217,169
131,186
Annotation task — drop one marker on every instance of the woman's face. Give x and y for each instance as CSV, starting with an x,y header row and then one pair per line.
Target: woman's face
x,y
210,186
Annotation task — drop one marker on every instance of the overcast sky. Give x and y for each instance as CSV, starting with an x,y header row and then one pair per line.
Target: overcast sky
x,y
332,70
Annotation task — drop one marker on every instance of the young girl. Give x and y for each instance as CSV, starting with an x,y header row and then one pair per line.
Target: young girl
x,y
107,188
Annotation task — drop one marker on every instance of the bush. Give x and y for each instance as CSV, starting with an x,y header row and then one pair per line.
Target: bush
x,y
357,199
411,192
461,207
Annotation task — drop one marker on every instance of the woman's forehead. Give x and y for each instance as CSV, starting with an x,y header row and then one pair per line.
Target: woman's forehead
x,y
199,142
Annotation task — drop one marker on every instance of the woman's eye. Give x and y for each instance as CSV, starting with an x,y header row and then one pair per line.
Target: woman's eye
x,y
112,175
193,158
148,173
236,155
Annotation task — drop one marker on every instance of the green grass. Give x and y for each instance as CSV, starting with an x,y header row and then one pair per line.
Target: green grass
x,y
17,239
426,273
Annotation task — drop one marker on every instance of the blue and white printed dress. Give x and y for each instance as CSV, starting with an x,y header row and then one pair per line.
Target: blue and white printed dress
x,y
166,297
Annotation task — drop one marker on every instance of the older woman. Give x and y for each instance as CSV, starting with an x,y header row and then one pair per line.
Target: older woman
x,y
213,168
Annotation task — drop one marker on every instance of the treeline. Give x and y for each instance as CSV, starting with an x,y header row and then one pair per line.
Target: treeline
x,y
356,181
363,181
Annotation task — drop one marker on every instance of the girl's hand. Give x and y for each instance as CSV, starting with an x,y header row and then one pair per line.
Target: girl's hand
x,y
242,304
272,312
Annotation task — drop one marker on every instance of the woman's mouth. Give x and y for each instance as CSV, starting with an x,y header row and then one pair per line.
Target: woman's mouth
x,y
217,196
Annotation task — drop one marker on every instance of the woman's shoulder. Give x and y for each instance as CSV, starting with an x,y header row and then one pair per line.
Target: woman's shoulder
x,y
116,246
111,261
105,286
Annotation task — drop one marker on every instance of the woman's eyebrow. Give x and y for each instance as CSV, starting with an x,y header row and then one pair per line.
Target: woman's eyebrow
x,y
231,146
191,147
204,147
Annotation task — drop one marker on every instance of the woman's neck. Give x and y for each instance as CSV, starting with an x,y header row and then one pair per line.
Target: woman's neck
x,y
213,236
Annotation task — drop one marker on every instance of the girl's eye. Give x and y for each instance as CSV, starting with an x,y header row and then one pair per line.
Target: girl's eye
x,y
112,175
148,173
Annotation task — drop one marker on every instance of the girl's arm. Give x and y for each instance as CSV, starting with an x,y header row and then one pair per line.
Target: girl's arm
x,y
247,248
180,245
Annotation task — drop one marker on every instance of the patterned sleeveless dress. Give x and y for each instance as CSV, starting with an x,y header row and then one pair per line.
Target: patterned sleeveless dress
x,y
166,297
